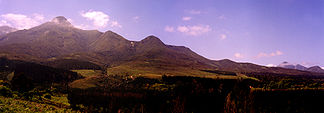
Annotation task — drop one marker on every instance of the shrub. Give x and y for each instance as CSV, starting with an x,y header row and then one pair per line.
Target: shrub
x,y
48,96
5,91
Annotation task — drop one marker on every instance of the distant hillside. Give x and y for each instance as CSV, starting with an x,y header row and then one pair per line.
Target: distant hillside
x,y
315,69
6,29
287,65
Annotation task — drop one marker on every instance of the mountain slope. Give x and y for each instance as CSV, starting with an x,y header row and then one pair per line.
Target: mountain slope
x,y
58,41
50,39
109,41
292,66
6,29
315,69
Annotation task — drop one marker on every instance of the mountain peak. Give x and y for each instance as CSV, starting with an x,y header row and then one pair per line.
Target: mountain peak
x,y
111,34
152,40
285,62
152,37
226,61
61,20
301,67
316,69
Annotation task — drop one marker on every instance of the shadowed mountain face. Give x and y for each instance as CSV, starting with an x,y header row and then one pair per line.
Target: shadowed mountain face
x,y
58,40
51,39
315,69
292,66
287,65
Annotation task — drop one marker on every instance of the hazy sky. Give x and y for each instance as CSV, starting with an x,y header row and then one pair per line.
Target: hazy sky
x,y
258,31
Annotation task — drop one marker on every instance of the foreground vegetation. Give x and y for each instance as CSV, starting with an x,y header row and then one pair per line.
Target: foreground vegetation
x,y
96,91
36,100
281,81
14,105
176,94
287,100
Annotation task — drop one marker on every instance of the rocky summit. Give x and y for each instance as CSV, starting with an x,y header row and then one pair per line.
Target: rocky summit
x,y
61,20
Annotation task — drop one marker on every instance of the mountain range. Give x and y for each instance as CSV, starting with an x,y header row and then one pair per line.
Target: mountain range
x,y
301,67
57,43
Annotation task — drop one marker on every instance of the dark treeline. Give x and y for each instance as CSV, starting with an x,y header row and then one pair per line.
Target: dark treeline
x,y
171,94
190,94
27,76
287,101
220,72
72,64
284,81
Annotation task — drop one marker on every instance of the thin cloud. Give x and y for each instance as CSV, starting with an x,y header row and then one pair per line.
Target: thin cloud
x,y
21,21
271,65
238,55
223,36
169,29
186,18
222,17
99,18
115,24
4,23
136,18
82,26
194,30
183,29
70,20
38,17
194,12
262,54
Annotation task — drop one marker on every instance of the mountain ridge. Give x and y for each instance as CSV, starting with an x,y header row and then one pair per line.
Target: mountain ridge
x,y
301,67
58,40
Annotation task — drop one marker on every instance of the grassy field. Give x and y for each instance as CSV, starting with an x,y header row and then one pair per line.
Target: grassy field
x,y
12,105
140,69
87,72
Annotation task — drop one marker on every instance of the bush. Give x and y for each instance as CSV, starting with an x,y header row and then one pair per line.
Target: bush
x,y
48,96
5,91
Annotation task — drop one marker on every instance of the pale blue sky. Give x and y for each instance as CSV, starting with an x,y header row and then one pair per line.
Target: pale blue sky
x,y
258,31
